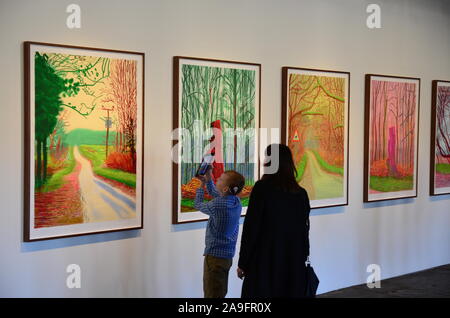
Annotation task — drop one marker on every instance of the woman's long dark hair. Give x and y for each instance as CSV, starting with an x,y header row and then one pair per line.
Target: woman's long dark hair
x,y
285,178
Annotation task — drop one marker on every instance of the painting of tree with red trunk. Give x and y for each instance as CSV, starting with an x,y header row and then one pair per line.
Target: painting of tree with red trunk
x,y
391,137
440,138
83,140
216,112
315,127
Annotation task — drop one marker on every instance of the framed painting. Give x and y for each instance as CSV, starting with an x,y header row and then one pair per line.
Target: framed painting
x,y
84,123
440,138
391,137
314,125
216,111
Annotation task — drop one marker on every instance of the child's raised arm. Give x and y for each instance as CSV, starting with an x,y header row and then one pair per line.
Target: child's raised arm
x,y
204,207
211,188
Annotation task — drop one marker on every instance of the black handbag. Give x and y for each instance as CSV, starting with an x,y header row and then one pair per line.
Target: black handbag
x,y
312,281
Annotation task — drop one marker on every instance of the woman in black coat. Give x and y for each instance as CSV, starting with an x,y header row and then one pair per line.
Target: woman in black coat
x,y
275,237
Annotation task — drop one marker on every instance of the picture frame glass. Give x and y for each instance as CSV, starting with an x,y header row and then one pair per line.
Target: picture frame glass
x,y
392,125
84,140
440,145
315,127
217,110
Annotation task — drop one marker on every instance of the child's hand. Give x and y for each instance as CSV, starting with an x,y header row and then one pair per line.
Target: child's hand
x,y
202,179
208,174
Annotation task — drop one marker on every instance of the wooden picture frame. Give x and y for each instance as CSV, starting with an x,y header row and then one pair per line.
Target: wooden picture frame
x,y
440,138
315,102
391,137
212,84
84,137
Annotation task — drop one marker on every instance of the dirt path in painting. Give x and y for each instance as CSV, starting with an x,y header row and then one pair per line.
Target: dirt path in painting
x,y
319,183
62,206
101,201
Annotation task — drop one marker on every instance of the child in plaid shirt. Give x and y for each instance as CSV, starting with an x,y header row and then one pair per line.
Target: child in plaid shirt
x,y
224,211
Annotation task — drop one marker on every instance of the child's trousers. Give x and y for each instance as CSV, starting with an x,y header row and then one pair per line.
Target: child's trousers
x,y
215,276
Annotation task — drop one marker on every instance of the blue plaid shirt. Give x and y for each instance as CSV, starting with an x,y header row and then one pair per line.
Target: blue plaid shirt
x,y
223,224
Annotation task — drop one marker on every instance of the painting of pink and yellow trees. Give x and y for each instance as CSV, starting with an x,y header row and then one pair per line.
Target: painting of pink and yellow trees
x,y
440,138
216,112
391,136
315,128
83,139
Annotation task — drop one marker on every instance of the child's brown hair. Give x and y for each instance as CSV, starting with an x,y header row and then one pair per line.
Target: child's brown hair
x,y
235,182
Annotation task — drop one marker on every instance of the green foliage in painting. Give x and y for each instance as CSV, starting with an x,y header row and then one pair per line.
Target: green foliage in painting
x,y
48,90
225,94
326,166
388,184
443,168
301,167
56,180
82,136
96,154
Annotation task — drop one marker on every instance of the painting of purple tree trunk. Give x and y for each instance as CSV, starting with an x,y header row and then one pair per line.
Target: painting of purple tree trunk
x,y
440,138
392,115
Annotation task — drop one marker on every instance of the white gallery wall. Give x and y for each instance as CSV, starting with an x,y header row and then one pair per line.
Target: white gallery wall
x,y
164,260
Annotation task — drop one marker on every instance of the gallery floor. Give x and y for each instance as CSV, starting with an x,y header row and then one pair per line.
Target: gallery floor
x,y
434,282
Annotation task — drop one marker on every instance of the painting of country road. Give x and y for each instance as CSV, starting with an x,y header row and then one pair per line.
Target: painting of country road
x,y
84,125
440,138
216,107
391,136
315,127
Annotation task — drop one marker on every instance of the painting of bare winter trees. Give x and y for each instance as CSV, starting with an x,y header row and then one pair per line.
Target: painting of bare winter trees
x,y
216,112
83,140
391,137
315,127
440,138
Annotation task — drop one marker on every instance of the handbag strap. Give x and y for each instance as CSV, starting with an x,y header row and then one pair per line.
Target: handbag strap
x,y
308,262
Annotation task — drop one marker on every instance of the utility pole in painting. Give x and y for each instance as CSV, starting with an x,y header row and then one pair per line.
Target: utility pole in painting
x,y
108,123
